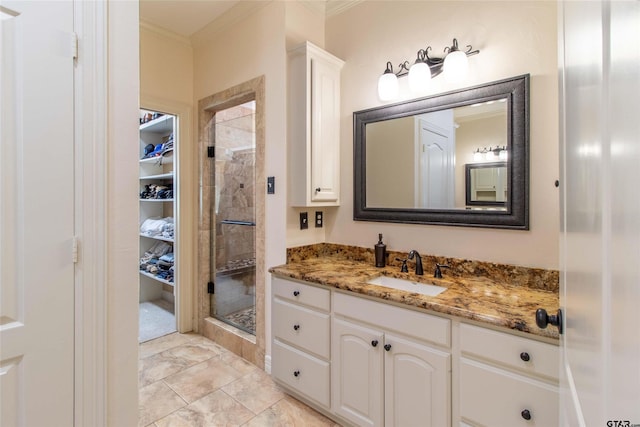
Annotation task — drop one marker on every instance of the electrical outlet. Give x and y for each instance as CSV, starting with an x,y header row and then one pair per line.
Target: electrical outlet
x,y
304,220
318,219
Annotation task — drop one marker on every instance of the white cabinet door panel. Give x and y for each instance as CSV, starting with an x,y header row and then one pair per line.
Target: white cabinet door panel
x,y
417,384
357,364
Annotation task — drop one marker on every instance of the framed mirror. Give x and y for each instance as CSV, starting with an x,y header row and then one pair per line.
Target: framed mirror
x,y
410,158
486,185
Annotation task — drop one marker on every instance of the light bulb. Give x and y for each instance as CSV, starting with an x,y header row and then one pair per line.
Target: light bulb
x,y
388,84
419,77
490,154
455,66
503,154
477,156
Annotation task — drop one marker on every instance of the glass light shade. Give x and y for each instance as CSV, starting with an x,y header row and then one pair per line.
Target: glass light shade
x,y
419,77
477,156
455,66
490,154
388,87
503,154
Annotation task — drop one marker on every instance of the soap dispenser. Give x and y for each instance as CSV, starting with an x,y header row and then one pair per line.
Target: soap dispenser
x,y
381,252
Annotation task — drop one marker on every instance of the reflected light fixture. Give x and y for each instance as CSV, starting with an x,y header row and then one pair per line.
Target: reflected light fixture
x,y
453,64
490,154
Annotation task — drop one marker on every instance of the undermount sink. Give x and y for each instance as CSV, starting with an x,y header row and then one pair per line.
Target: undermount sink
x,y
407,285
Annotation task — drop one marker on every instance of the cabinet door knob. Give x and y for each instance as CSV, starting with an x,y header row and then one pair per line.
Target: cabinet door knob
x,y
296,293
526,414
374,343
543,319
525,356
296,327
387,347
318,189
296,373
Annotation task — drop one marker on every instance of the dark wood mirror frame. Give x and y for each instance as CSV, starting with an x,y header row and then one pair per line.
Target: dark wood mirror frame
x,y
516,215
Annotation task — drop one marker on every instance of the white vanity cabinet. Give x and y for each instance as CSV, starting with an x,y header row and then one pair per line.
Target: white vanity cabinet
x,y
390,366
314,126
301,341
370,363
507,380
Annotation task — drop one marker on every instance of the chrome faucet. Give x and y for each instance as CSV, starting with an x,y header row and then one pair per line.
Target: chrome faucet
x,y
415,253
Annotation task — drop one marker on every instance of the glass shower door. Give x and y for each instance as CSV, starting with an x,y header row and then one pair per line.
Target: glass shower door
x,y
234,239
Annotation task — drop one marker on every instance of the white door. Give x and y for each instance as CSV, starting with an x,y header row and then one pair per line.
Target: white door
x,y
357,373
36,214
416,384
435,146
600,205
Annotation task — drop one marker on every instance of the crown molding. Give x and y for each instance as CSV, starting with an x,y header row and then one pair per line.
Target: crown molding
x,y
336,7
231,17
163,32
316,6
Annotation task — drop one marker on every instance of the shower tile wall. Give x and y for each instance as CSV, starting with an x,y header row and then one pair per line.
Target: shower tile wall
x,y
235,195
235,165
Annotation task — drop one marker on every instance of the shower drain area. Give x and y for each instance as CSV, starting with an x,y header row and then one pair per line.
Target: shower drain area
x,y
235,295
244,319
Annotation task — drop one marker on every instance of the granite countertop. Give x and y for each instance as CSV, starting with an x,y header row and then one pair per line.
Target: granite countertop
x,y
477,298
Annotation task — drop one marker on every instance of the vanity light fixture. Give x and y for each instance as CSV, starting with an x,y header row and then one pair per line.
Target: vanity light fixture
x,y
490,154
453,64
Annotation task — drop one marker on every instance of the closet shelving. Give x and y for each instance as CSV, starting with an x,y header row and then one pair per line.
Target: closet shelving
x,y
157,170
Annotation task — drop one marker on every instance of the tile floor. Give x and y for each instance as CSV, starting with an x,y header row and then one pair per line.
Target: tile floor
x,y
188,380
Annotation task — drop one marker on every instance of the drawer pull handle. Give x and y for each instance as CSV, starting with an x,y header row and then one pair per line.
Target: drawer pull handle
x,y
387,347
296,373
296,327
374,343
296,293
525,356
526,414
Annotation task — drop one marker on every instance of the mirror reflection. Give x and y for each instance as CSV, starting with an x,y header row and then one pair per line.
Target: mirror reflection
x,y
418,161
486,185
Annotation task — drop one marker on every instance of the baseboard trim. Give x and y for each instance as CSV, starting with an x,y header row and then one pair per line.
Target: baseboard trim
x,y
267,364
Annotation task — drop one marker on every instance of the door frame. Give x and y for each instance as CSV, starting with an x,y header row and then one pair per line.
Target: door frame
x,y
186,212
90,146
106,85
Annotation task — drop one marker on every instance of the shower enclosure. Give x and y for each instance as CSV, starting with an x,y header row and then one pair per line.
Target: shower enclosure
x,y
234,216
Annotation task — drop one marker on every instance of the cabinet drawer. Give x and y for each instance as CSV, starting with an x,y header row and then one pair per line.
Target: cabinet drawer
x,y
302,372
422,326
493,397
301,293
302,327
524,354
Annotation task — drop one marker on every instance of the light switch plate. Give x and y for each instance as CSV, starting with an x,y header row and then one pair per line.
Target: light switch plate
x,y
271,185
304,220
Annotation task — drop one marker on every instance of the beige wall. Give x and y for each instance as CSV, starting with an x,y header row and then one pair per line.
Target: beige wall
x,y
245,48
514,38
166,65
391,164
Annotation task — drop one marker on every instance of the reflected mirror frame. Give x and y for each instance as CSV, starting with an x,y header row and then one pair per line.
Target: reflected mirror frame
x,y
516,216
467,183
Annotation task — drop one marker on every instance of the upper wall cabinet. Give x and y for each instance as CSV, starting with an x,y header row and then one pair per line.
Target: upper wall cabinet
x,y
314,127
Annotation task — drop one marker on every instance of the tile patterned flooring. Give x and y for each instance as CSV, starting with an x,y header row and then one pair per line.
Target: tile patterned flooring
x,y
188,380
